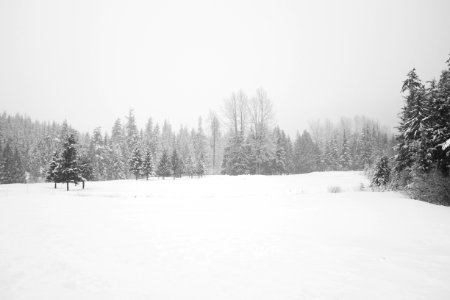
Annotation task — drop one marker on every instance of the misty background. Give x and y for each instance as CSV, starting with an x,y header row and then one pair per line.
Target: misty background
x,y
91,61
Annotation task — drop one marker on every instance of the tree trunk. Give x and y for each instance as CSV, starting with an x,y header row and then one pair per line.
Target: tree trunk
x,y
55,184
83,184
67,185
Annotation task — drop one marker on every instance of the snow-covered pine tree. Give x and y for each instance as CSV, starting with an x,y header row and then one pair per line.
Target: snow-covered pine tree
x,y
1,162
155,146
85,166
331,155
54,169
404,157
147,166
148,134
439,122
382,173
345,157
199,144
306,154
280,153
136,163
98,153
176,165
68,164
200,168
18,170
7,164
165,166
190,167
235,159
132,135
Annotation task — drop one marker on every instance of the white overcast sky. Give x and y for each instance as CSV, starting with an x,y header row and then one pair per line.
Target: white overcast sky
x,y
90,61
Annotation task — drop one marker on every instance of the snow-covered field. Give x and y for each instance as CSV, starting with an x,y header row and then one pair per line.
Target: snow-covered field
x,y
219,237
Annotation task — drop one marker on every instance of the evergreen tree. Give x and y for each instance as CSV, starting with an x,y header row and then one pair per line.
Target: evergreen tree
x,y
132,131
18,170
235,159
190,167
147,166
98,153
69,170
305,154
199,143
7,165
439,128
382,173
365,149
54,169
85,166
410,123
200,168
176,164
280,154
136,163
164,166
331,155
345,157
1,162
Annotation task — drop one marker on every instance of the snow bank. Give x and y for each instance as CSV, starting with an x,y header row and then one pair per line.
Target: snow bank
x,y
219,237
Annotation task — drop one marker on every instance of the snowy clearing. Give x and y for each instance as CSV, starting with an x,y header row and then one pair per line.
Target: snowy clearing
x,y
220,237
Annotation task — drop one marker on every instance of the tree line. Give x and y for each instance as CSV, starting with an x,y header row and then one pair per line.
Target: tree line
x,y
421,164
244,140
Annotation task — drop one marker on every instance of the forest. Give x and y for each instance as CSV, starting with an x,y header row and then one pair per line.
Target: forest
x,y
244,139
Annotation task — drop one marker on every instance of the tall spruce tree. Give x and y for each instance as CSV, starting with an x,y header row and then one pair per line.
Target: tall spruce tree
x,y
136,163
7,165
190,166
18,170
176,164
165,166
54,169
345,157
200,168
147,166
69,165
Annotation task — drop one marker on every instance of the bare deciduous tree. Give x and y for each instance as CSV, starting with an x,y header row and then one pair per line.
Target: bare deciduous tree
x,y
261,113
236,111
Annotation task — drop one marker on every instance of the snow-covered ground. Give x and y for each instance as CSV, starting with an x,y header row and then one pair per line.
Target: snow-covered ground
x,y
219,237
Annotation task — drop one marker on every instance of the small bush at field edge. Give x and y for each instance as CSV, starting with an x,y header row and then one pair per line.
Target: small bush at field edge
x,y
334,189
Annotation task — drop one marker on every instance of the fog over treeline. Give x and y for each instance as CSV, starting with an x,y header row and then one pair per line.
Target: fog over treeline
x,y
242,139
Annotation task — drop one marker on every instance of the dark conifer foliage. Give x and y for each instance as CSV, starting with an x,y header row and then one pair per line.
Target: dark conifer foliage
x,y
382,173
54,169
422,159
136,163
165,166
7,165
69,164
147,165
177,165
200,168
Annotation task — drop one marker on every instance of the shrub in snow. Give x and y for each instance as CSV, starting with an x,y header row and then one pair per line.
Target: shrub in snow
x,y
334,189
